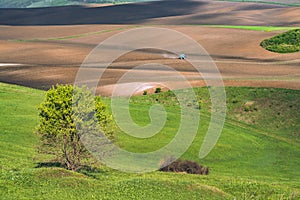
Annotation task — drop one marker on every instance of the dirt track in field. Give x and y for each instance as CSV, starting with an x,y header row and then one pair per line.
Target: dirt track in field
x,y
53,54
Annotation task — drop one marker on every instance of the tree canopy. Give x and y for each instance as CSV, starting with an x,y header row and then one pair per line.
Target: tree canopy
x,y
66,114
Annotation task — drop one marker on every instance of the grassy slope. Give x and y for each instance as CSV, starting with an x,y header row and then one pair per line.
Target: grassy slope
x,y
288,42
246,163
254,136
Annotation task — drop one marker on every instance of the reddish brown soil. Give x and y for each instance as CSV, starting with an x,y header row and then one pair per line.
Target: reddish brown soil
x,y
171,12
237,54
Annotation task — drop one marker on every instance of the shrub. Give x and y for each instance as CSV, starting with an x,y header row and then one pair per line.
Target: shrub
x,y
250,106
247,108
145,92
157,90
199,106
234,101
187,166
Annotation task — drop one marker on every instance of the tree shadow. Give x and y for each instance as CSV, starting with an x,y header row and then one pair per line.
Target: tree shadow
x,y
85,169
49,165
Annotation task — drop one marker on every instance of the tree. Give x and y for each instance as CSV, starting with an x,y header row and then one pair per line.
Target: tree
x,y
66,114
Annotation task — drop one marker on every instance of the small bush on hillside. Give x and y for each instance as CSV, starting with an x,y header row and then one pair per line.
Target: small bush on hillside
x,y
158,90
234,101
199,106
250,106
187,166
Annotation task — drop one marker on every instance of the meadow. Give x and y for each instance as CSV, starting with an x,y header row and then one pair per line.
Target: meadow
x,y
256,156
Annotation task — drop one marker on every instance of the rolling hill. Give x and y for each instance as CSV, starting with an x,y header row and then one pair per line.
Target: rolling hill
x,y
247,163
172,12
49,3
257,155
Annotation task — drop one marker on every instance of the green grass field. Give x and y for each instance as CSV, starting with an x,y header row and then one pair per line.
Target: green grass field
x,y
257,156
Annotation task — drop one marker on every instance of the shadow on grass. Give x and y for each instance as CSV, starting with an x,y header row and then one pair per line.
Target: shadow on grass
x,y
85,170
50,165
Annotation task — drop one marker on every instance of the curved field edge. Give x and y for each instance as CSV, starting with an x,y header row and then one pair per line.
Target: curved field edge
x,y
39,3
75,36
265,2
251,28
87,34
19,177
43,3
288,42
